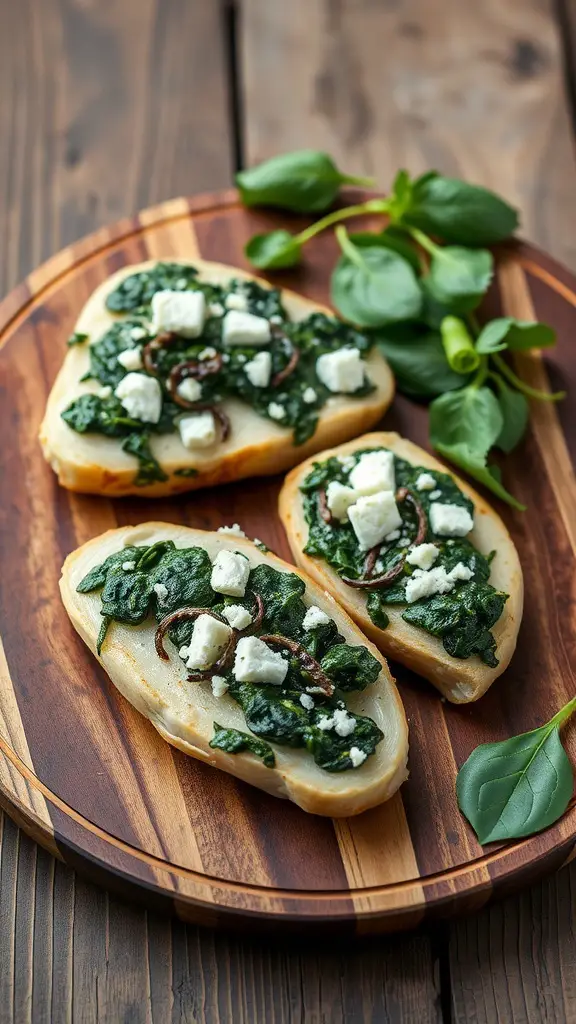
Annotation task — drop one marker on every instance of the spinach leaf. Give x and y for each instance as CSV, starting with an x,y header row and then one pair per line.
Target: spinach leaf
x,y
90,413
517,787
234,742
305,181
515,413
272,714
274,250
281,593
418,360
149,469
351,668
470,416
332,752
462,619
459,212
134,294
96,578
518,335
373,285
459,277
104,365
77,338
473,462
375,610
391,238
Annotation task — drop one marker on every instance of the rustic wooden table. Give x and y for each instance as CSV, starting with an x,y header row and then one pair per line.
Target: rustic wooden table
x,y
107,106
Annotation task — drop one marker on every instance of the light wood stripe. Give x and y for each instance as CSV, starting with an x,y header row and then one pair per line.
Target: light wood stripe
x,y
173,237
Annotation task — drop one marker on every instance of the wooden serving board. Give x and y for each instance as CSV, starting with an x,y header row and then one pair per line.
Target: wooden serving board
x,y
91,780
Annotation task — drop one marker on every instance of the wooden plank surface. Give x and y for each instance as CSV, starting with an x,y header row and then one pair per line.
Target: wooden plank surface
x,y
105,107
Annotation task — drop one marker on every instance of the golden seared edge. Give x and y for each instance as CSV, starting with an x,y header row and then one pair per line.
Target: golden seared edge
x,y
460,681
256,447
184,713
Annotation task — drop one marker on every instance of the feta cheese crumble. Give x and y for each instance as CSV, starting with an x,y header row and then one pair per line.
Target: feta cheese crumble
x,y
236,301
181,313
373,517
259,370
230,572
426,583
309,396
344,724
104,392
219,686
435,495
235,530
197,429
450,520
357,756
209,639
207,353
245,329
190,389
392,536
161,591
256,663
306,701
325,723
216,309
137,333
341,371
237,616
425,482
141,396
423,555
339,497
276,411
128,566
374,472
314,617
130,359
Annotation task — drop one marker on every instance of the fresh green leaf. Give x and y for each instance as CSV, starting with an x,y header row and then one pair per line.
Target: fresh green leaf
x,y
515,413
518,335
149,469
471,416
459,212
460,277
391,238
351,668
401,197
305,181
134,293
234,742
519,786
274,250
474,462
372,285
418,361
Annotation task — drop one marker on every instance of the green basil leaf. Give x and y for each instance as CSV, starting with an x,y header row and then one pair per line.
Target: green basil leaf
x,y
306,181
418,362
474,462
471,416
515,413
233,741
391,238
372,286
401,197
274,250
459,212
518,335
519,786
460,277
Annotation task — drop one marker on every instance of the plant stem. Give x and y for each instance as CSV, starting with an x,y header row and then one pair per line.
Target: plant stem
x,y
348,247
482,373
353,179
424,241
564,714
473,323
520,385
371,206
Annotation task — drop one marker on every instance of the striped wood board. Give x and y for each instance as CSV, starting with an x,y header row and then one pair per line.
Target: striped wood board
x,y
91,780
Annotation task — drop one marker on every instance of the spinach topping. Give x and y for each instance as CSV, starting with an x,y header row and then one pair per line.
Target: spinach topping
x,y
294,349
128,582
462,618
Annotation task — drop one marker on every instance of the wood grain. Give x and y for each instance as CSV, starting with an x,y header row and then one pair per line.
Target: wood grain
x,y
474,90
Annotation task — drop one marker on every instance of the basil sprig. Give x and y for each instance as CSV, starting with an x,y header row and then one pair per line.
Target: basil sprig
x,y
415,285
516,787
306,181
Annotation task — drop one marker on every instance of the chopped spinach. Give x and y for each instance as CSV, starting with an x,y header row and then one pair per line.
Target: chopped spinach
x,y
134,294
463,617
149,470
77,338
128,580
104,365
234,742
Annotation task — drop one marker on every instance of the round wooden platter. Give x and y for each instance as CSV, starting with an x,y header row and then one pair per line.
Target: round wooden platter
x,y
91,779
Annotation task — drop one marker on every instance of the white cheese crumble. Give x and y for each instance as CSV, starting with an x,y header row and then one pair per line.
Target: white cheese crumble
x,y
259,370
130,359
435,495
207,353
245,329
161,591
230,572
373,517
141,396
325,723
426,582
216,309
339,497
374,472
341,371
425,482
256,663
394,535
137,333
236,301
276,319
309,396
209,639
219,686
236,530
128,566
197,430
314,617
237,616
190,389
306,701
276,411
181,313
423,555
344,724
347,461
357,756
450,520
104,392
